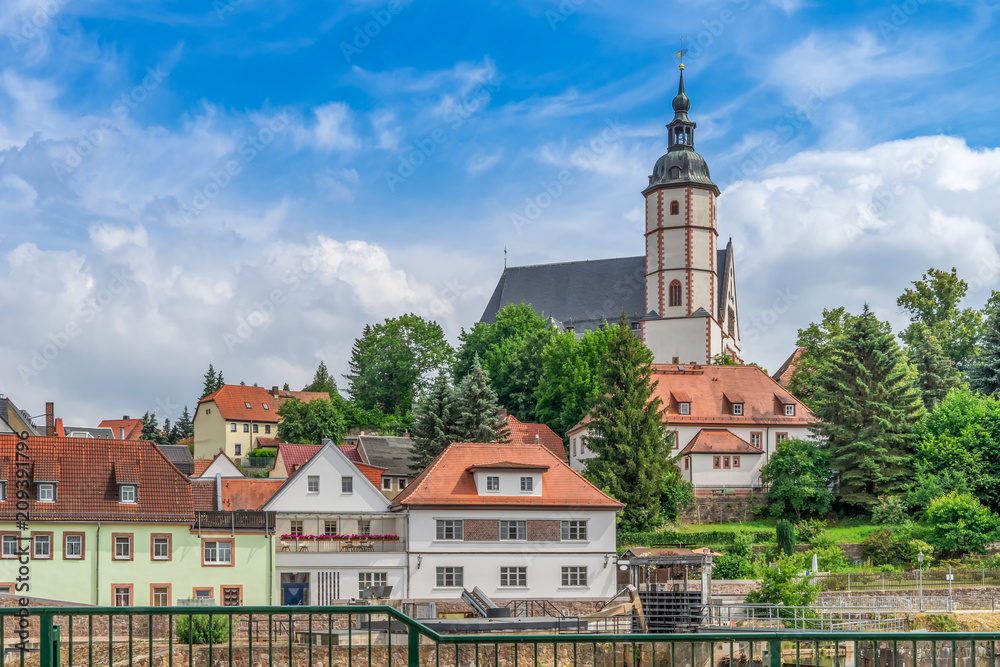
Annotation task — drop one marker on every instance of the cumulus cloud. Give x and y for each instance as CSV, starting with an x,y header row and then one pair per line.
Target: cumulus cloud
x,y
334,127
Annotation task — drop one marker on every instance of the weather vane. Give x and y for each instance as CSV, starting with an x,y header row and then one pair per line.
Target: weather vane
x,y
680,55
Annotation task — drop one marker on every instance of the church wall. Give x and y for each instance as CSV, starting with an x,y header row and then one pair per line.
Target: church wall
x,y
684,338
658,208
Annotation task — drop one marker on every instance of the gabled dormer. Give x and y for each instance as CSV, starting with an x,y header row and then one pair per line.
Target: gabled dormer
x,y
127,479
681,402
733,404
504,478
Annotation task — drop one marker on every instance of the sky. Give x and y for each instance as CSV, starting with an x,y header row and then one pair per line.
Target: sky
x,y
248,183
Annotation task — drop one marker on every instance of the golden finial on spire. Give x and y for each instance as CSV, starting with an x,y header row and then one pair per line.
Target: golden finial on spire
x,y
680,56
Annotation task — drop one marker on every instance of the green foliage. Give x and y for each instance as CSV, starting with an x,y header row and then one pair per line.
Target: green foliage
x,y
781,583
195,629
984,371
213,381
723,359
943,623
478,415
629,435
869,407
151,430
818,340
435,423
798,475
701,538
517,378
890,511
810,529
894,546
309,423
264,452
323,381
829,556
933,306
936,373
373,421
961,524
737,562
785,536
183,428
390,362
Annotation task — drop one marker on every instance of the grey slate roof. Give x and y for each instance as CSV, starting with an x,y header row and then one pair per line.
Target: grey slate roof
x,y
89,432
180,456
389,452
578,294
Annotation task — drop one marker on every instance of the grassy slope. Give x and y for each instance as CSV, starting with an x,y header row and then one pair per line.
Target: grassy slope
x,y
843,534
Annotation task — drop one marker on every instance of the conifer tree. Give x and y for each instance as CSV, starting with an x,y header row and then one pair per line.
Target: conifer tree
x,y
628,433
869,406
183,427
479,417
210,382
168,432
435,423
936,373
984,375
151,429
220,381
322,381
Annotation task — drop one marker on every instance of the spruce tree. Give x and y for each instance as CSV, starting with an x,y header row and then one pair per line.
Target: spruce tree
x,y
936,373
868,407
210,382
184,427
151,429
322,381
168,432
984,375
435,423
479,417
220,381
628,433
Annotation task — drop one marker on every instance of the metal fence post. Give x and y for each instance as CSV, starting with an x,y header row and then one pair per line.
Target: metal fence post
x,y
46,640
413,647
774,646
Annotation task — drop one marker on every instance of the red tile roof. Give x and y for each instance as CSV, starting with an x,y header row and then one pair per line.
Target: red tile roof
x,y
448,481
352,453
203,495
87,489
46,470
133,428
536,434
231,401
784,374
719,441
248,494
269,443
293,456
373,473
200,466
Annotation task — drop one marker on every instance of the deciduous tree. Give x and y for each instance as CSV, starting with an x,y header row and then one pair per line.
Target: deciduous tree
x,y
798,478
309,423
933,306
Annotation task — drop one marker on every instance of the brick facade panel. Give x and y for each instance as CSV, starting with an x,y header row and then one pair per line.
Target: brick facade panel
x,y
544,531
482,530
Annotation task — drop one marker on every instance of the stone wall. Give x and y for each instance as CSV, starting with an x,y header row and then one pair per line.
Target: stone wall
x,y
721,509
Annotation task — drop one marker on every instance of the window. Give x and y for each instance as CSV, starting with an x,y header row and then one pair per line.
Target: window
x,y
755,440
232,596
401,483
780,437
160,596
675,172
126,493
46,493
3,490
256,428
73,546
218,552
675,207
247,403
295,527
347,485
10,546
725,462
492,483
514,530
330,527
513,576
239,449
208,411
203,593
789,410
387,483
736,462
448,577
160,547
673,439
450,529
732,323
232,427
364,527
264,405
675,293
123,547
246,428
312,484
6,589
687,462
267,427
42,546
738,409
684,408
123,596
574,575
574,530
717,462
366,579
526,483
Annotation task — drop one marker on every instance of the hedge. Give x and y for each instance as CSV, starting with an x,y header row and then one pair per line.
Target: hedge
x,y
700,539
264,452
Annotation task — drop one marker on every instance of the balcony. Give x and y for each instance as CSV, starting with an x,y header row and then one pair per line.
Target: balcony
x,y
249,520
339,546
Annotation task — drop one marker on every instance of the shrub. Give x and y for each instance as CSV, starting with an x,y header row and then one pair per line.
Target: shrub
x,y
264,452
888,546
781,584
731,566
194,629
703,538
785,534
890,511
798,479
960,523
810,529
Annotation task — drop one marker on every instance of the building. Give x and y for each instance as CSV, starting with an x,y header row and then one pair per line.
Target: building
x,y
125,428
725,421
515,521
14,420
783,375
680,296
391,454
337,536
523,433
113,523
290,457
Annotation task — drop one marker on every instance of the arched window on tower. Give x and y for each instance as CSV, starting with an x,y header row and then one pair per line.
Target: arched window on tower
x,y
675,293
675,207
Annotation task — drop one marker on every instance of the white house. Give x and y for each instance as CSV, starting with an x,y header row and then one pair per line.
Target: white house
x,y
726,421
516,521
336,535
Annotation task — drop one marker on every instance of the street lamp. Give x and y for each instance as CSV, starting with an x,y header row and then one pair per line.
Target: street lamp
x,y
920,576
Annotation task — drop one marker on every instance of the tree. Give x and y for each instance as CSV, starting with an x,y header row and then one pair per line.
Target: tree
x,y
309,423
933,306
323,381
798,478
783,584
785,534
494,343
183,427
479,417
435,423
868,406
213,381
151,430
391,361
961,524
984,371
818,339
723,359
628,433
517,378
936,373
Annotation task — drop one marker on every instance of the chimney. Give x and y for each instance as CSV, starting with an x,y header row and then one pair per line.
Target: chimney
x,y
50,419
121,432
274,391
125,416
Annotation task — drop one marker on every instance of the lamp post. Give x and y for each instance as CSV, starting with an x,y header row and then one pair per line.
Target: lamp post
x,y
920,577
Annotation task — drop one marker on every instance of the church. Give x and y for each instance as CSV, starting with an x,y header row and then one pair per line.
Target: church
x,y
680,297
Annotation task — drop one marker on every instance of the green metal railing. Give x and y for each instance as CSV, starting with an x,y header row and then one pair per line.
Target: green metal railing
x,y
380,635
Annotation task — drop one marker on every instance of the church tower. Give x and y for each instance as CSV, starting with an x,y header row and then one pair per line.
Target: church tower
x,y
690,283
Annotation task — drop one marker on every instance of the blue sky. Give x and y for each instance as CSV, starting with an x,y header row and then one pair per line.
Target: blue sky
x,y
249,182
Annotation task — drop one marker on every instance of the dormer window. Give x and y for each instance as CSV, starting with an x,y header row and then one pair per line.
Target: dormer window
x,y
789,410
264,405
493,483
126,493
738,409
684,408
247,403
527,483
46,493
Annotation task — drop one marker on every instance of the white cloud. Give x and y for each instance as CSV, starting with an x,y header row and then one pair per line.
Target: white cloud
x,y
108,237
334,127
481,162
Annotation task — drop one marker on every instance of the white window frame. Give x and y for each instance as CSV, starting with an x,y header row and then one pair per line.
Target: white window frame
x,y
312,484
456,528
161,542
126,553
78,541
238,449
514,576
41,539
790,410
127,595
574,576
216,551
232,427
364,526
684,408
366,579
46,493
296,525
758,437
493,482
328,524
449,577
519,527
3,490
10,540
737,409
346,485
126,493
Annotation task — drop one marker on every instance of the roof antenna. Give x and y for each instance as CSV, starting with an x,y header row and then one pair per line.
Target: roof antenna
x,y
505,258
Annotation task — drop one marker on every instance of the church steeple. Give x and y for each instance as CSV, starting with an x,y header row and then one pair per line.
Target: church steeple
x,y
681,129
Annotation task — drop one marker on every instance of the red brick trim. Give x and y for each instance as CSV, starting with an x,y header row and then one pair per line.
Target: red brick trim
x,y
688,247
170,593
170,547
659,251
232,552
131,546
83,546
131,594
52,546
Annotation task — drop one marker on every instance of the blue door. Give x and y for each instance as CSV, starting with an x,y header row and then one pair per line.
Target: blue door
x,y
293,595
